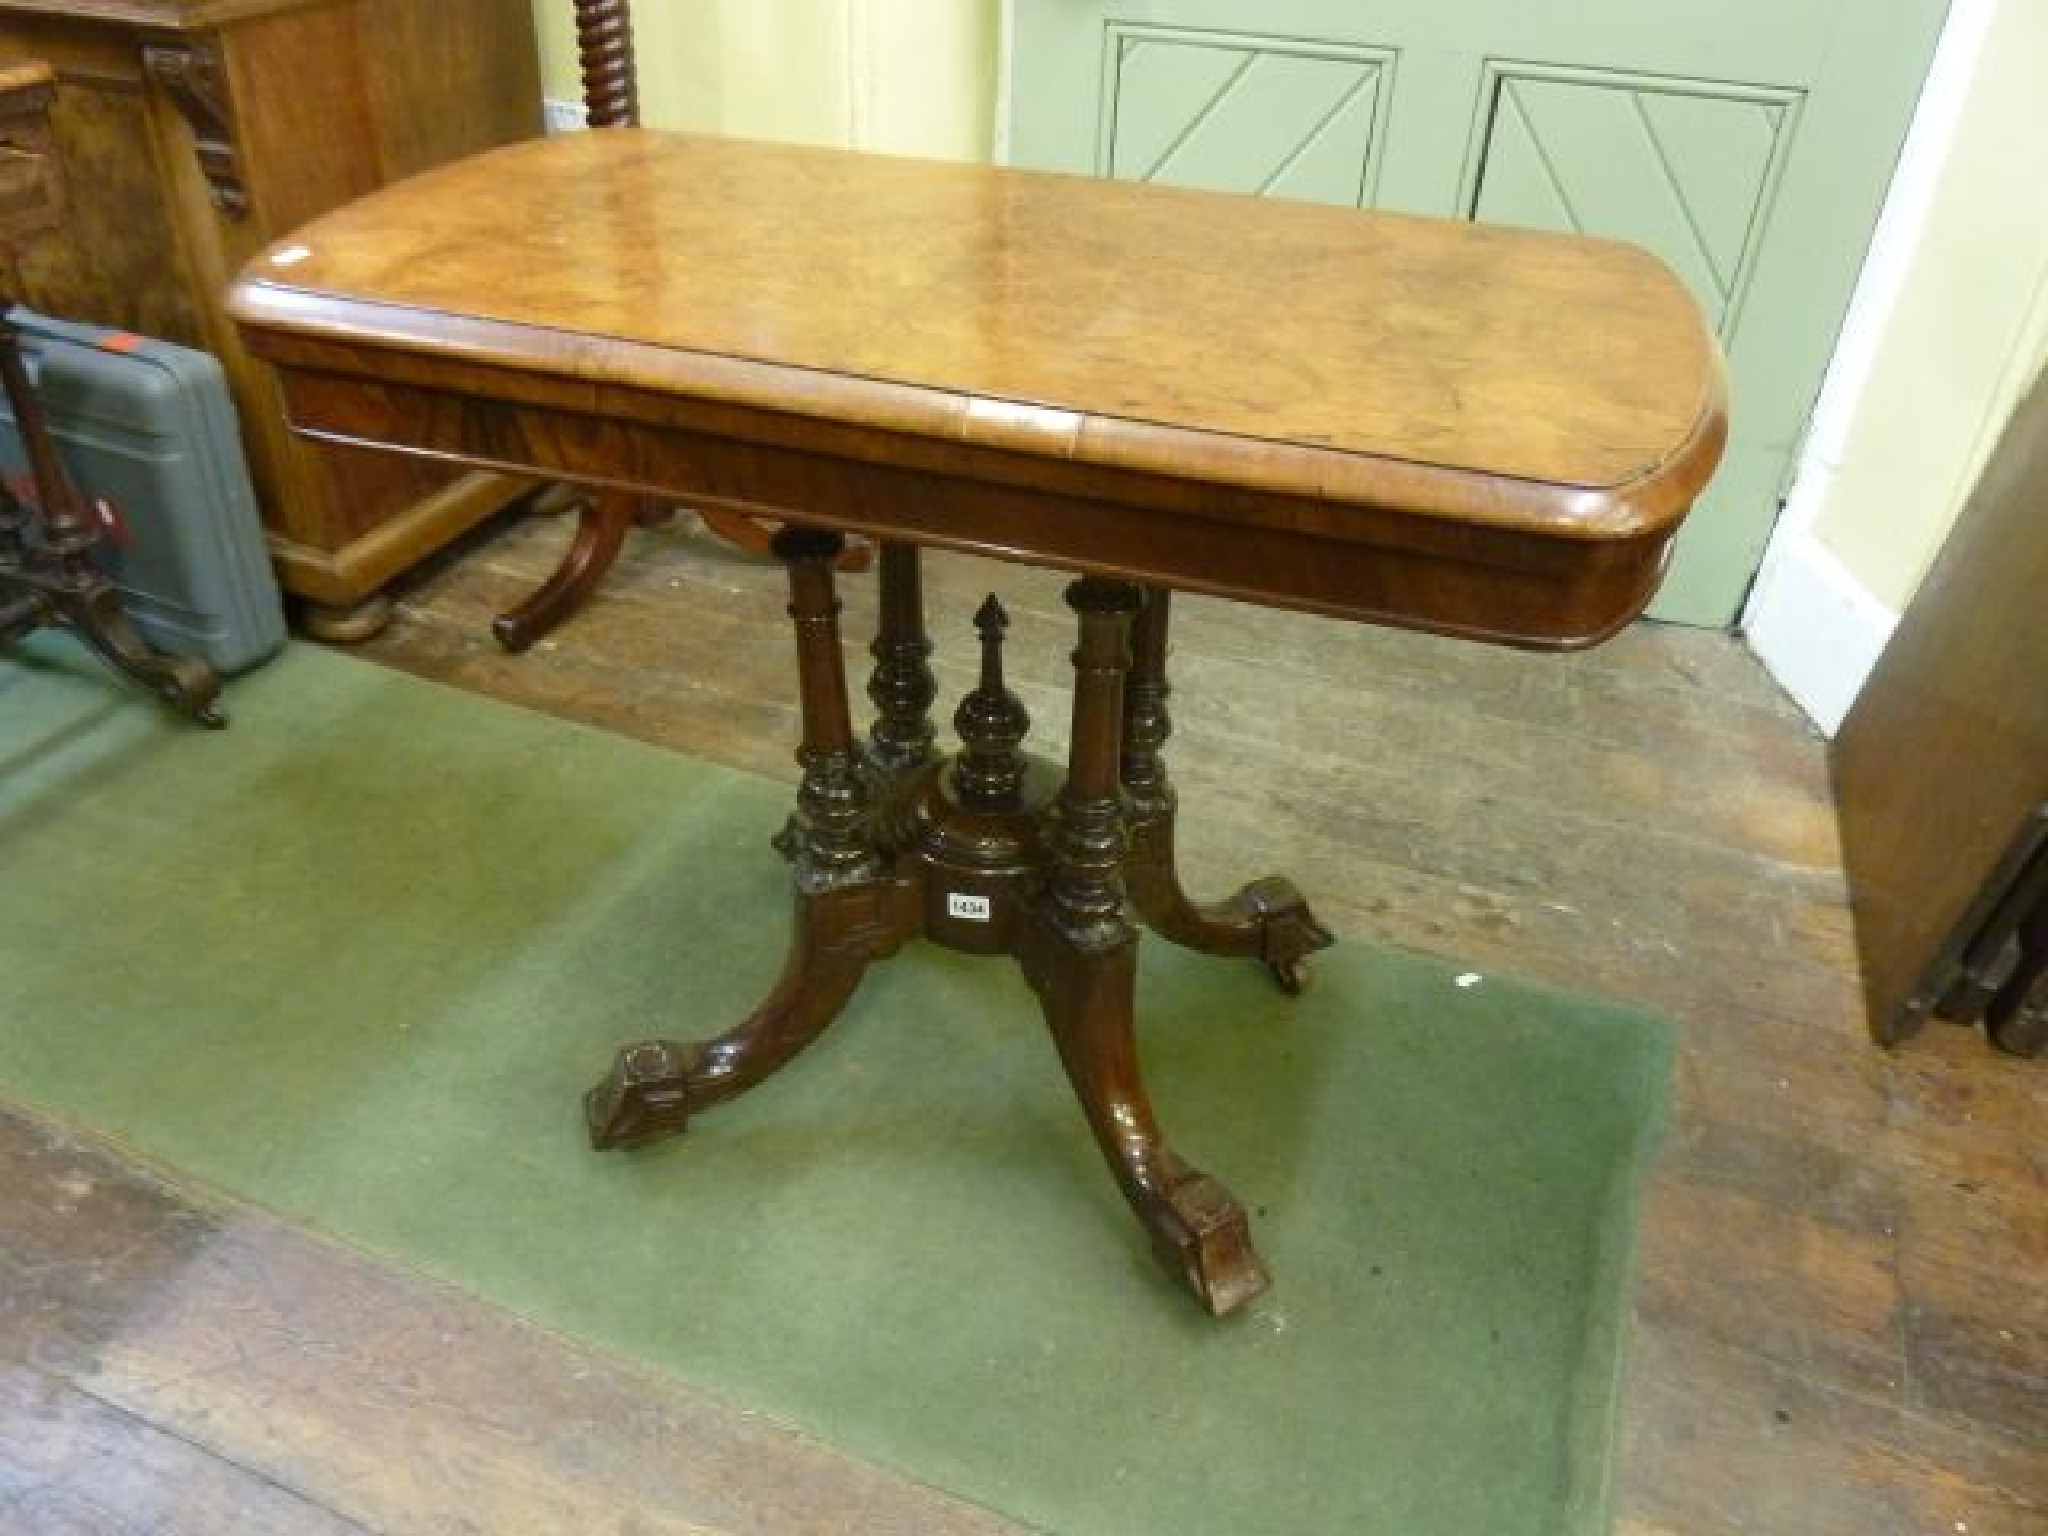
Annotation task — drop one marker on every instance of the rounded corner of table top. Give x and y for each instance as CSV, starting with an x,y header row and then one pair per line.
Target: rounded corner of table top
x,y
1653,502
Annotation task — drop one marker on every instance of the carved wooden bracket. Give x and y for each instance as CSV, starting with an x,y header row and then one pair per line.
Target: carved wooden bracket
x,y
191,74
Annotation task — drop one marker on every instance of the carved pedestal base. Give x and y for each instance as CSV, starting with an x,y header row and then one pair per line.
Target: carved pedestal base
x,y
994,852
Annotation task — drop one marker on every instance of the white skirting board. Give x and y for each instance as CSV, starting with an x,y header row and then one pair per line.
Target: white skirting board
x,y
1815,627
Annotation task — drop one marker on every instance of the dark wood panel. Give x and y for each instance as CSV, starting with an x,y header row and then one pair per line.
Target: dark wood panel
x,y
118,235
462,53
1945,755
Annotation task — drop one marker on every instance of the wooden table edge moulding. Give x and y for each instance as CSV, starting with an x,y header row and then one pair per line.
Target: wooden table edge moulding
x,y
1477,431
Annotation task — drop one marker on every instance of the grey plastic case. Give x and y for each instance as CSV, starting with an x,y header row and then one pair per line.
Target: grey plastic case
x,y
148,433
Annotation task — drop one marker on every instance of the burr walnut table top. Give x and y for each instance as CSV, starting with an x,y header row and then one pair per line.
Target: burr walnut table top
x,y
1423,422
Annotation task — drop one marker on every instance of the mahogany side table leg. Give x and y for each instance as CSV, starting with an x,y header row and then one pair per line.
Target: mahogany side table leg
x,y
1079,952
851,909
602,521
1268,920
901,686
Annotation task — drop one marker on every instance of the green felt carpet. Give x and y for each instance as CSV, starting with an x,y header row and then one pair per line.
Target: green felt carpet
x,y
356,958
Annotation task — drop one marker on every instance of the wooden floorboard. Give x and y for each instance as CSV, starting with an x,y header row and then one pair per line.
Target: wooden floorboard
x,y
1840,1322
173,1364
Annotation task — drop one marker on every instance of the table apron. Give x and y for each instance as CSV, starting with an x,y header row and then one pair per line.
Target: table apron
x,y
1360,563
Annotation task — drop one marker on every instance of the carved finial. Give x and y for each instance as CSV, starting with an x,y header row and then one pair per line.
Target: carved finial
x,y
992,723
901,685
992,624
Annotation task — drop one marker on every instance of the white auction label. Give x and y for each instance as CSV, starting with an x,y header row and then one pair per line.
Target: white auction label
x,y
973,908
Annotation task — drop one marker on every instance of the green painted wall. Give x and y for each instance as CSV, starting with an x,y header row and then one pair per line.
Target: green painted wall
x,y
907,76
1968,332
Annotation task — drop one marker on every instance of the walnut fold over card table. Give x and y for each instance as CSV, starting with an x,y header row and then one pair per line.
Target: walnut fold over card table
x,y
1427,423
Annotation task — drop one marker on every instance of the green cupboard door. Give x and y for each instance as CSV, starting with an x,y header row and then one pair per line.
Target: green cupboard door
x,y
1747,142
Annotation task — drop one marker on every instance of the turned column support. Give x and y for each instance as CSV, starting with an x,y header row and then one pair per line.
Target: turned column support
x,y
604,53
1088,840
1146,721
1266,920
828,840
901,686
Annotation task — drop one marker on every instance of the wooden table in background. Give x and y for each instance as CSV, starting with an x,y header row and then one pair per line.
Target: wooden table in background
x,y
192,133
1477,431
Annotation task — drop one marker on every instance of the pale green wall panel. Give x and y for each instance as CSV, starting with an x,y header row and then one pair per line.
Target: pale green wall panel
x,y
1684,172
1724,153
1235,115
